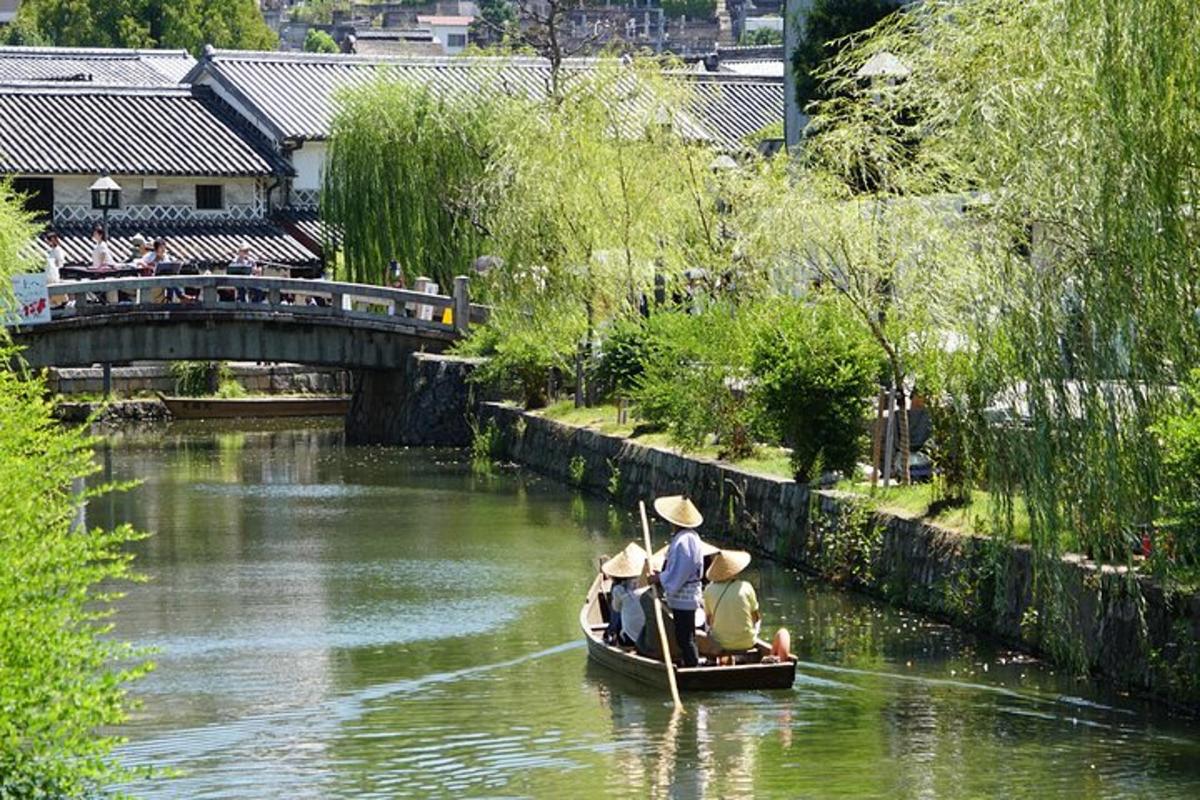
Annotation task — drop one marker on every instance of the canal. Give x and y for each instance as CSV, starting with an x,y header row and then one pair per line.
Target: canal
x,y
341,622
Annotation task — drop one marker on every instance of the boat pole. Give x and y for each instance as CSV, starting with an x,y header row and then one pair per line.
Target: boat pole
x,y
658,615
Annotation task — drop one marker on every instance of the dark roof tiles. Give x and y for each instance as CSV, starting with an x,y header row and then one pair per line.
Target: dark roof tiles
x,y
122,130
94,65
295,93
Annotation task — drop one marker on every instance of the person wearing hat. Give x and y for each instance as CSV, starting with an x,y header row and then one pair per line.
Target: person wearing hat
x,y
683,572
627,617
730,605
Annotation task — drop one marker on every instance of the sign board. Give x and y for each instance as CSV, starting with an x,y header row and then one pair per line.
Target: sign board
x,y
31,301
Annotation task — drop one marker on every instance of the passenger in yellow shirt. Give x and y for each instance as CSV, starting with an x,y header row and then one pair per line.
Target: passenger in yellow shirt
x,y
730,605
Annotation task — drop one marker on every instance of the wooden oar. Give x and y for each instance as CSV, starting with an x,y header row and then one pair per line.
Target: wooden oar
x,y
658,615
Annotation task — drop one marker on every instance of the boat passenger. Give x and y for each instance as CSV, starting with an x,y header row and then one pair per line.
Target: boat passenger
x,y
627,618
683,572
731,606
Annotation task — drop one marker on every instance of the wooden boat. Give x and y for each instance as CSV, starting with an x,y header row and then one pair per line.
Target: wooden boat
x,y
225,408
748,672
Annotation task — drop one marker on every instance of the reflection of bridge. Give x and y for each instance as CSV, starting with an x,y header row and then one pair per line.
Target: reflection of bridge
x,y
307,322
370,330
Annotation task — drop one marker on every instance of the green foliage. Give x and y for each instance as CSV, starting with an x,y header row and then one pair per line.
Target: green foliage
x,y
761,36
318,41
62,674
188,24
692,9
486,445
694,376
842,544
815,371
614,479
1180,436
622,357
231,389
827,23
576,471
319,12
522,349
496,20
402,178
196,378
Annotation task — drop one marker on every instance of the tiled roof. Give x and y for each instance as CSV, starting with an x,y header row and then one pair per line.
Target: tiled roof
x,y
123,130
295,92
734,107
94,65
211,244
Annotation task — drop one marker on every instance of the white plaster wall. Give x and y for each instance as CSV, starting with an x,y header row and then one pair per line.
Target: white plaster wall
x,y
309,163
72,194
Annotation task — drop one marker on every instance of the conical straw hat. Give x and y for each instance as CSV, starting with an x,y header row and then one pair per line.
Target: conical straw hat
x,y
626,564
660,555
678,510
727,564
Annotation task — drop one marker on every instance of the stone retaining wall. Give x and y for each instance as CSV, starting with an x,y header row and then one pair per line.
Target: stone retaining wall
x,y
257,379
425,404
1122,627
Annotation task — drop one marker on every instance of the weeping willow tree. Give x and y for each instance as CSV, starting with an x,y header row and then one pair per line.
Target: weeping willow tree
x,y
1072,124
401,180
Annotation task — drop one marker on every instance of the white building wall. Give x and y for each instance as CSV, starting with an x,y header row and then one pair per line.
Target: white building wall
x,y
309,163
173,200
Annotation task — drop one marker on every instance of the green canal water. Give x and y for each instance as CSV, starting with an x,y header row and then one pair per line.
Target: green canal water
x,y
341,622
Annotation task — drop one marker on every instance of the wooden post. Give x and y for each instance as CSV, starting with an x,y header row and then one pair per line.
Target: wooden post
x,y
579,396
877,438
462,304
106,379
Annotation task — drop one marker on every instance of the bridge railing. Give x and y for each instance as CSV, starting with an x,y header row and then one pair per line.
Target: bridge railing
x,y
377,304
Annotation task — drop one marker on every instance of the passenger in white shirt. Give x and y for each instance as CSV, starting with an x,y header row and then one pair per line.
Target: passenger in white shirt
x,y
101,255
56,259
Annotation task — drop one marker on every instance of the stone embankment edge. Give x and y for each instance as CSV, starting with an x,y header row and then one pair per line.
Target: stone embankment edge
x,y
1123,628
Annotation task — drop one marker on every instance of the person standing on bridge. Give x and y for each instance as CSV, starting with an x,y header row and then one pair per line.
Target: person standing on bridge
x,y
683,572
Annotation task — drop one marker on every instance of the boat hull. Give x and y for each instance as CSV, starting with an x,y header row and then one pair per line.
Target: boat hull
x,y
650,672
218,408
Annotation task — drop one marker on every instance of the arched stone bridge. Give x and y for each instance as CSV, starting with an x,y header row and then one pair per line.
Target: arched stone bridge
x,y
374,332
348,325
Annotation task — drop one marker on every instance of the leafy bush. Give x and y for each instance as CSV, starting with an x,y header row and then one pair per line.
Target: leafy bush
x,y
192,377
61,691
693,382
318,41
814,372
622,358
522,348
1179,434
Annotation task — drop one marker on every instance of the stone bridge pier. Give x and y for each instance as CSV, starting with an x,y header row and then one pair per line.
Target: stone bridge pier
x,y
424,403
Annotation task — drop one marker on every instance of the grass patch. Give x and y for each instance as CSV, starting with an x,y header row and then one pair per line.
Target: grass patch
x,y
769,461
914,502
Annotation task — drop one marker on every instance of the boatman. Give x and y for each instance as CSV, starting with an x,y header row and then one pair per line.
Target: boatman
x,y
681,577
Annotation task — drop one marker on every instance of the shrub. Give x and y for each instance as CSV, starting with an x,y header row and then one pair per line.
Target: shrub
x,y
814,371
1179,434
61,689
622,358
694,377
193,378
318,41
521,351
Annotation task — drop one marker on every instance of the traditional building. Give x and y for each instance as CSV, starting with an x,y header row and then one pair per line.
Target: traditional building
x,y
191,171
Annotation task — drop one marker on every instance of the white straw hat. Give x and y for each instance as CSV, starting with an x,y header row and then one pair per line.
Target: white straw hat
x,y
626,564
678,510
727,564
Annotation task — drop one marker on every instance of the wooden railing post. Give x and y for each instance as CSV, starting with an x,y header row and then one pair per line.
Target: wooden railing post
x,y
462,304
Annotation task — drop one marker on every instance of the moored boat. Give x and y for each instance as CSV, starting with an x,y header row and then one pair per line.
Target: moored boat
x,y
753,669
233,407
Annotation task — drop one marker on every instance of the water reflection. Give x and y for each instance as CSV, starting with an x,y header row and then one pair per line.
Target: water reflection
x,y
365,622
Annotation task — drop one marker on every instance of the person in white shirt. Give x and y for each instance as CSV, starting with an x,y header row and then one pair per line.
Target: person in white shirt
x,y
627,619
56,259
101,254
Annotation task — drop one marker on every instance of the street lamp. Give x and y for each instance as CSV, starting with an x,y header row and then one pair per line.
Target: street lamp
x,y
106,196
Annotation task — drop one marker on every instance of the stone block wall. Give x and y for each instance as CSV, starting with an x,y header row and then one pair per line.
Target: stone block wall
x,y
264,379
425,404
1120,626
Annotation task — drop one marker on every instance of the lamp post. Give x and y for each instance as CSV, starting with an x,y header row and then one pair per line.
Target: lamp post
x,y
106,196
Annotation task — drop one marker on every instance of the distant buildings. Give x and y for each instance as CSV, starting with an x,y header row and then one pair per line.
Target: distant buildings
x,y
231,147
